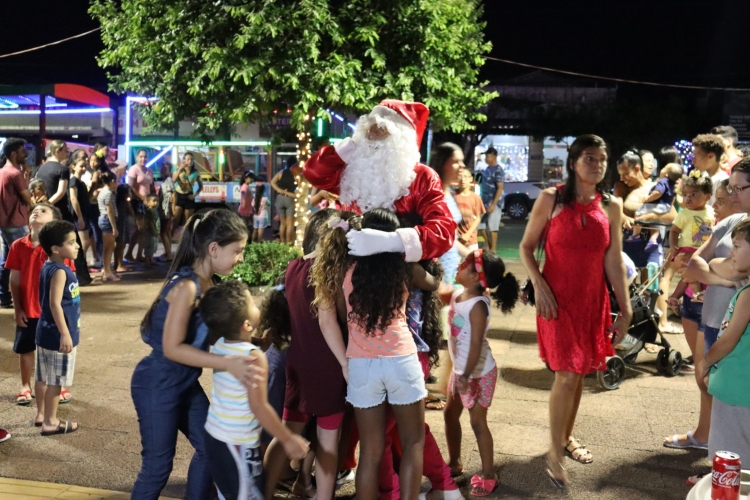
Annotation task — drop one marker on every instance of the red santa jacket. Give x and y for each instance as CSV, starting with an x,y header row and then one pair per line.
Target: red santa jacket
x,y
438,230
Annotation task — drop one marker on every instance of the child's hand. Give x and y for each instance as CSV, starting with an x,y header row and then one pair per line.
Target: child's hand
x,y
345,371
66,344
296,447
462,383
674,304
20,316
246,371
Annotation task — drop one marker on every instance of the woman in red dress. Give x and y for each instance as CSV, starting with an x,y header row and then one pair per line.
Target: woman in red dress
x,y
582,250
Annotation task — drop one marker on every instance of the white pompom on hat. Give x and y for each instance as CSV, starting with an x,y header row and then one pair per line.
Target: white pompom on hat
x,y
403,113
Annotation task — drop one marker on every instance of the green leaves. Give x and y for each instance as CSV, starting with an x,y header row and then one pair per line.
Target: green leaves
x,y
264,263
237,61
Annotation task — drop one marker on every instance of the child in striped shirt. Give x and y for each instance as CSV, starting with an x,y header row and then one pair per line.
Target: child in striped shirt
x,y
236,414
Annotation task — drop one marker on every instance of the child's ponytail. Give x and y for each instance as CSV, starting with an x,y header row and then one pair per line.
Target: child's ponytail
x,y
333,261
504,287
221,226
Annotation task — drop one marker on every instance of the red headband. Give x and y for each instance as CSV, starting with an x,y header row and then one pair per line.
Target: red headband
x,y
479,266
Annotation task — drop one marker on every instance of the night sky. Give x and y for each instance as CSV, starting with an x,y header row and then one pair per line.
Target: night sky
x,y
680,41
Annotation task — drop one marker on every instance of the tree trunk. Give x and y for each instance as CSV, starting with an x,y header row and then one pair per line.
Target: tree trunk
x,y
302,201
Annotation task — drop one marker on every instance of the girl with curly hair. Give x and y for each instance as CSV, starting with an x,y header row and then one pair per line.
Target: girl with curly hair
x,y
474,375
381,356
315,385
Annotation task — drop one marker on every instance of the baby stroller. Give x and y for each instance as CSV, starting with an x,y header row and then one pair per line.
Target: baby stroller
x,y
644,328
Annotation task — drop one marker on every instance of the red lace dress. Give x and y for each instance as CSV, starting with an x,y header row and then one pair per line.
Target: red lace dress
x,y
574,269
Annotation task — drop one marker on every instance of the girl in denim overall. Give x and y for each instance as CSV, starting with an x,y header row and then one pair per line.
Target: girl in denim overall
x,y
165,388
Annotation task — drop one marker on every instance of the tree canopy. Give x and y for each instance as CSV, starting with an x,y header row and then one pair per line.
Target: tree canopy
x,y
232,61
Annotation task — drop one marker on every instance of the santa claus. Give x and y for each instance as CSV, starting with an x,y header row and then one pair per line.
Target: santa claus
x,y
379,168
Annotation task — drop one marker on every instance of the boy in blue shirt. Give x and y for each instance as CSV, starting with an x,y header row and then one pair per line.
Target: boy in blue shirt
x,y
58,327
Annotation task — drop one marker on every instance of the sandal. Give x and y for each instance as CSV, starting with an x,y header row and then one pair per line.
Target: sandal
x,y
65,396
671,328
576,444
111,277
434,404
652,348
64,427
483,487
24,398
300,492
692,442
561,481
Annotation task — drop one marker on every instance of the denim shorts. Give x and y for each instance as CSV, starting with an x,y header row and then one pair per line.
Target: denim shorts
x,y
709,337
691,311
373,380
105,225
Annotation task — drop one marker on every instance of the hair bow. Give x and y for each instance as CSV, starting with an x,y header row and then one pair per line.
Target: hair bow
x,y
335,222
696,173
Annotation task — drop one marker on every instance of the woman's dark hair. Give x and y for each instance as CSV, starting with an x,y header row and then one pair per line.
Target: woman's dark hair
x,y
743,167
440,156
219,225
11,145
744,150
575,151
506,288
121,196
260,190
275,322
107,177
76,155
224,309
667,155
379,281
702,183
247,174
644,152
192,161
727,132
142,150
312,230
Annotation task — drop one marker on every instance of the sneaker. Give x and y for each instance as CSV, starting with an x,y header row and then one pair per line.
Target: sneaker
x,y
345,476
4,435
6,305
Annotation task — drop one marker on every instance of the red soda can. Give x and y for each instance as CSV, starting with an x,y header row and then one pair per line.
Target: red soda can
x,y
725,476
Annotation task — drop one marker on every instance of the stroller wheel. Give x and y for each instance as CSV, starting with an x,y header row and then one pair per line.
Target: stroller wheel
x,y
661,362
612,377
674,363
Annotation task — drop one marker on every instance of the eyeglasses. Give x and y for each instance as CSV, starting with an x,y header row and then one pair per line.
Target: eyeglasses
x,y
736,189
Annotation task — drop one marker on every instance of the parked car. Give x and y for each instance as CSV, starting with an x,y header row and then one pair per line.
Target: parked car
x,y
519,197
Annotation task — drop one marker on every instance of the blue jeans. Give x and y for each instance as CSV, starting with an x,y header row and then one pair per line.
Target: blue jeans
x,y
168,399
7,236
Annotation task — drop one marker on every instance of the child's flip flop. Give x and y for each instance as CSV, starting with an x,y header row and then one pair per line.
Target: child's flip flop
x,y
64,427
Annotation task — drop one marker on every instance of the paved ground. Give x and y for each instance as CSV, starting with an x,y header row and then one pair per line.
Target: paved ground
x,y
623,428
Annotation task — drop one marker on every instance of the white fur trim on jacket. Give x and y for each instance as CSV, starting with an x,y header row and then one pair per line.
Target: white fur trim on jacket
x,y
345,149
412,246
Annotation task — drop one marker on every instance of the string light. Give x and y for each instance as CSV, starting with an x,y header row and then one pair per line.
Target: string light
x,y
685,148
302,194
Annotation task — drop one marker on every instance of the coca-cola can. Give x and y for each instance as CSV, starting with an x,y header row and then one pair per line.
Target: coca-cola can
x,y
725,476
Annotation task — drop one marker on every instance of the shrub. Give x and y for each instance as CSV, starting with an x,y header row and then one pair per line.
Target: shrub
x,y
264,263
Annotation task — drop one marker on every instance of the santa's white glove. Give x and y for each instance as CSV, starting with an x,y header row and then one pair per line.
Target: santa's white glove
x,y
372,241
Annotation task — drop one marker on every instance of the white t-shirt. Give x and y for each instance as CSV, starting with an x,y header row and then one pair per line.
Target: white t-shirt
x,y
230,418
459,341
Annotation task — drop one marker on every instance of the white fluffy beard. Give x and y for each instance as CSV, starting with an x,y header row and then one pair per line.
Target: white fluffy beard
x,y
380,172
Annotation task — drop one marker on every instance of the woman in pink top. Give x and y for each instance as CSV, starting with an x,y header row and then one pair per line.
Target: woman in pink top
x,y
381,358
141,180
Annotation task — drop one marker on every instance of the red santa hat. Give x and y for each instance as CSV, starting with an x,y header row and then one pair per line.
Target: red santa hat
x,y
412,114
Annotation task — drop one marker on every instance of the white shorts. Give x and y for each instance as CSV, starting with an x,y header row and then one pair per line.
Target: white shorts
x,y
260,222
54,367
492,221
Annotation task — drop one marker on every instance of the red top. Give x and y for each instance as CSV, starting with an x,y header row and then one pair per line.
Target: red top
x,y
426,198
28,259
471,206
314,381
577,239
13,210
